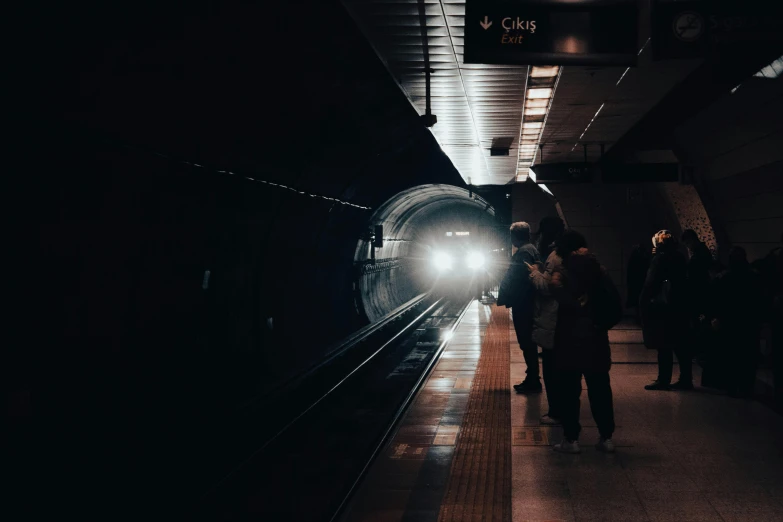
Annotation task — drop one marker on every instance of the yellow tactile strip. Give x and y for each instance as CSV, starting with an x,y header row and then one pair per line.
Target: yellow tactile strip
x,y
479,486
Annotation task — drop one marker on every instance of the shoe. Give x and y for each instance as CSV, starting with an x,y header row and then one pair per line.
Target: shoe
x,y
605,445
528,386
682,385
567,446
657,385
548,420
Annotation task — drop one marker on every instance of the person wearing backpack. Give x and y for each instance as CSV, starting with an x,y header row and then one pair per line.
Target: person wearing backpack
x,y
545,312
664,313
588,306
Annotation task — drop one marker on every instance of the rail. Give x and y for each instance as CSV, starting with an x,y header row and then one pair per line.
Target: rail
x,y
383,440
336,350
352,341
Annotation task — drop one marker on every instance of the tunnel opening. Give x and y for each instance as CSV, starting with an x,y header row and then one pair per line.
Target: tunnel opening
x,y
413,221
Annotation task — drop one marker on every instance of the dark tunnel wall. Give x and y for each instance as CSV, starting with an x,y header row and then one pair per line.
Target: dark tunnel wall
x,y
127,362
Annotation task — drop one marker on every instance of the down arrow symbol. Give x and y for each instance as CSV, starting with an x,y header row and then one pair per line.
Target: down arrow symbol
x,y
486,23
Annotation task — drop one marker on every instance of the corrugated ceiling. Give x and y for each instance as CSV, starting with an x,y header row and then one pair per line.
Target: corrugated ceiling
x,y
477,105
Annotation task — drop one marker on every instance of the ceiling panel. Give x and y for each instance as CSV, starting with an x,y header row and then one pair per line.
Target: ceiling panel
x,y
475,104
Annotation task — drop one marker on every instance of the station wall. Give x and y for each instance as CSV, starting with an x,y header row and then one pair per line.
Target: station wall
x,y
736,147
612,217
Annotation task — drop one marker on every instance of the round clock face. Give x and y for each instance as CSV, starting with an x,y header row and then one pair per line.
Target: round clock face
x,y
688,26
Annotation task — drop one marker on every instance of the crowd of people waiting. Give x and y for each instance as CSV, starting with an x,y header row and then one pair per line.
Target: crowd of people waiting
x,y
567,306
564,302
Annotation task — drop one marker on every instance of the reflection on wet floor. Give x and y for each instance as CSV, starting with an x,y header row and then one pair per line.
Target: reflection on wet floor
x,y
695,455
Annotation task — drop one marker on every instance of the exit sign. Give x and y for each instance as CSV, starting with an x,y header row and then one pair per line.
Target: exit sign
x,y
525,33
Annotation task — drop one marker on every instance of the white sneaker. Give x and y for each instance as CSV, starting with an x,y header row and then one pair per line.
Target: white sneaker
x,y
546,420
605,445
567,446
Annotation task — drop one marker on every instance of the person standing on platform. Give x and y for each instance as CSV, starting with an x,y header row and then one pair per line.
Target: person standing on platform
x,y
588,306
517,292
776,257
638,264
664,312
550,228
545,314
697,289
738,312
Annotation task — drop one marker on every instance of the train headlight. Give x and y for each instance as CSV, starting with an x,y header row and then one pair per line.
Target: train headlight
x,y
442,261
475,260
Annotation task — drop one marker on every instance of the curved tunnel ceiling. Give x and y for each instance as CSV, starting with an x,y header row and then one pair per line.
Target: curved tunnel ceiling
x,y
424,199
398,275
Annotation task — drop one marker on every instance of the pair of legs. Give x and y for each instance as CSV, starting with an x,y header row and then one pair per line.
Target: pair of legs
x,y
523,326
551,383
599,393
666,362
742,363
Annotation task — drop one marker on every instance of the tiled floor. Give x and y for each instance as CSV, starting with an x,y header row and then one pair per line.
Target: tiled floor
x,y
681,456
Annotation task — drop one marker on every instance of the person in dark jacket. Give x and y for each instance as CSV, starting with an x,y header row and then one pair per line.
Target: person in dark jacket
x,y
638,264
776,281
697,289
517,292
545,318
737,313
664,313
550,228
582,347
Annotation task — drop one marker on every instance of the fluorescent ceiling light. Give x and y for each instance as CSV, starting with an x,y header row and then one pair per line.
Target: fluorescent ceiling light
x,y
773,70
545,92
532,125
544,71
536,103
535,111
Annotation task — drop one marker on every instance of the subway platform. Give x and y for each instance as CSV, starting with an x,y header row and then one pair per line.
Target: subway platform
x,y
470,449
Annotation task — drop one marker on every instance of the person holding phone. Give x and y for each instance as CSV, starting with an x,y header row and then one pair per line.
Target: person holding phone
x,y
545,320
517,292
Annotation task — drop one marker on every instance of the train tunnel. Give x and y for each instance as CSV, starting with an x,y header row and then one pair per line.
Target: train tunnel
x,y
196,191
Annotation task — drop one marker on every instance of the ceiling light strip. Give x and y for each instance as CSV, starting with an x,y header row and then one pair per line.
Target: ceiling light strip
x,y
628,69
464,89
604,103
546,116
521,122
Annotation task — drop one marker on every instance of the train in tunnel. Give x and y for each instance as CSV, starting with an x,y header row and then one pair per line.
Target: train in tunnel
x,y
466,261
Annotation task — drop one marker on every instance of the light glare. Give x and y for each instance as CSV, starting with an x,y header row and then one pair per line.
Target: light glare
x,y
475,260
534,94
544,71
536,103
535,111
442,261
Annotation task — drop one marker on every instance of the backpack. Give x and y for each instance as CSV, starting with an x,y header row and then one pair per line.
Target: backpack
x,y
664,295
607,306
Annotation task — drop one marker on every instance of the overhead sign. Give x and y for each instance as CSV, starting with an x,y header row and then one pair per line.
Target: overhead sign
x,y
563,172
640,172
535,33
609,173
697,29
